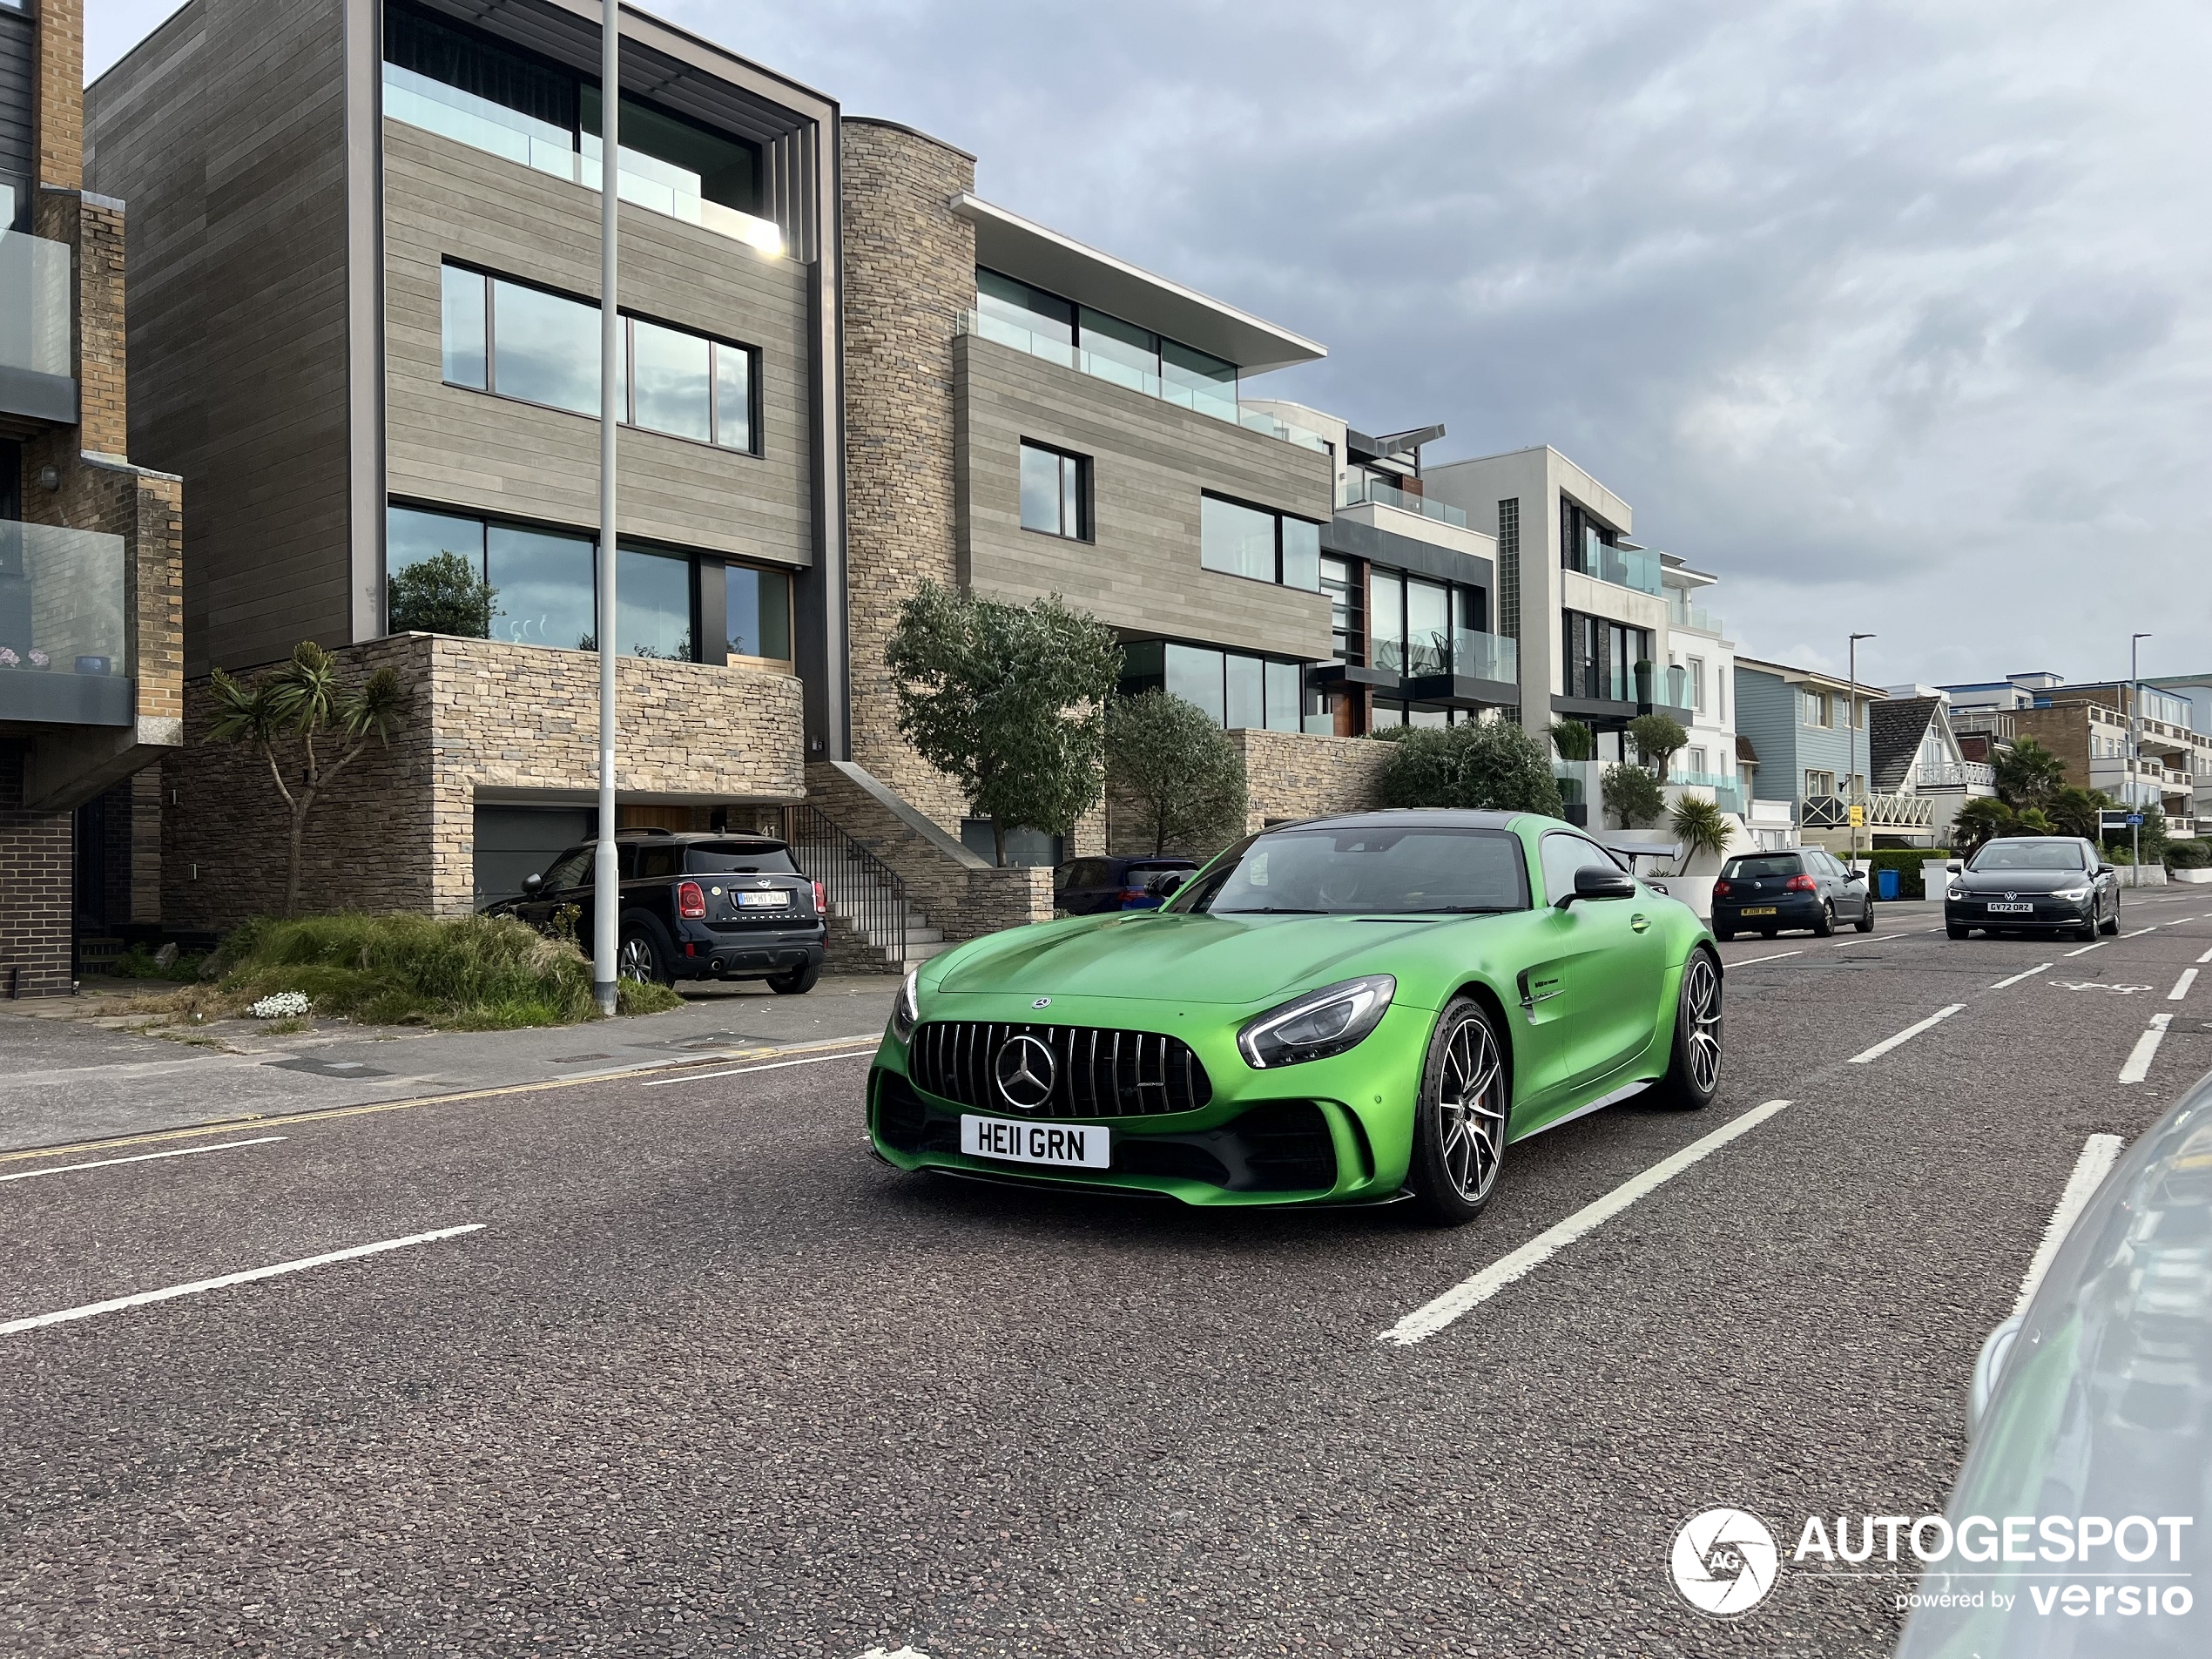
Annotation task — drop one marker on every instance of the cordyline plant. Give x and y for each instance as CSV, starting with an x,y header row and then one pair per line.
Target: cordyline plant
x,y
284,715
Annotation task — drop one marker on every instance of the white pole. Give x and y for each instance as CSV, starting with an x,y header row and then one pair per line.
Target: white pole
x,y
606,910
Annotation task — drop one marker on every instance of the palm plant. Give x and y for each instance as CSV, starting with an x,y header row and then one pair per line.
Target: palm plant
x,y
1981,819
1573,740
1701,827
2077,810
2028,774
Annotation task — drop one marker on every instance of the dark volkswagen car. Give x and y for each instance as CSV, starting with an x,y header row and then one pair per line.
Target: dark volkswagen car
x,y
693,907
2034,883
1098,887
1764,893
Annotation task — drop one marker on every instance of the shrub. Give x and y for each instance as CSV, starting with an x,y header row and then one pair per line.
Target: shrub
x,y
1981,819
1633,795
1573,740
1178,769
2188,855
1495,766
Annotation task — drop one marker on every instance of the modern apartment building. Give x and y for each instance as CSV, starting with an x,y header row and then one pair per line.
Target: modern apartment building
x,y
2094,728
368,324
90,663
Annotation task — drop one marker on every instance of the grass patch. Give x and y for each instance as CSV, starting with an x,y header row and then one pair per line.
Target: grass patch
x,y
139,963
461,974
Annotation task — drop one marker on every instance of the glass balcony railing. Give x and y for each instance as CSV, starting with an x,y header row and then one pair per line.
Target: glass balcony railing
x,y
1728,792
1206,399
1362,490
63,626
34,326
1624,567
482,124
1465,651
1682,614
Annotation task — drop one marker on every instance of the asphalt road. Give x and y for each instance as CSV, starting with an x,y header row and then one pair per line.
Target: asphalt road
x,y
707,1379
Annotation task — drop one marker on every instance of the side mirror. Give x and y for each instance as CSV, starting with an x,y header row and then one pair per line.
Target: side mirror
x,y
532,883
2105,869
1592,883
1856,876
1955,867
1171,884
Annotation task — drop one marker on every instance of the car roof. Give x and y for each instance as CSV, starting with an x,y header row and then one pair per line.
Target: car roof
x,y
692,838
1434,817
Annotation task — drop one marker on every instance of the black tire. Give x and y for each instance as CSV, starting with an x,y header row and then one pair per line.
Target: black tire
x,y
1825,926
797,983
646,955
1723,934
1955,930
1866,922
1452,1174
2110,925
1694,1070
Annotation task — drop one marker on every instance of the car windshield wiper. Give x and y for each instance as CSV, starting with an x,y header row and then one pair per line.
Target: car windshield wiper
x,y
1466,910
1270,910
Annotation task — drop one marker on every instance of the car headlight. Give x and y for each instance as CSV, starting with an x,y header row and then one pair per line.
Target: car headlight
x,y
1958,892
2073,895
905,1009
1319,1024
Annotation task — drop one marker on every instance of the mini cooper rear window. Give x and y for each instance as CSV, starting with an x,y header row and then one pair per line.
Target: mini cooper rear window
x,y
1369,872
736,858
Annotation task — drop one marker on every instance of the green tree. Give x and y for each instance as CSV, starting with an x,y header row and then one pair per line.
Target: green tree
x,y
2028,774
2075,811
285,714
2031,821
1495,766
1658,739
1983,819
1633,795
1701,827
1181,772
1009,700
441,595
1573,740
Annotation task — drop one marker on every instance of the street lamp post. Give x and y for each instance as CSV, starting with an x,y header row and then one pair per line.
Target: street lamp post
x,y
2135,757
606,883
1857,777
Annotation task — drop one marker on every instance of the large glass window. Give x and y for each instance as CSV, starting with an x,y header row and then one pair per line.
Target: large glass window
x,y
1193,674
1246,703
759,611
1386,589
466,327
1251,542
670,165
674,376
1201,381
1120,351
1302,554
545,348
653,600
1235,688
1428,628
542,588
1000,299
433,565
1283,697
1056,492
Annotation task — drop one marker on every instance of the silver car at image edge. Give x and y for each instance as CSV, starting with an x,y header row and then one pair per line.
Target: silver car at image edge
x,y
2097,1400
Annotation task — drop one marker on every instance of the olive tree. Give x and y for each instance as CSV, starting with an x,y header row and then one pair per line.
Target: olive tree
x,y
1633,795
1658,739
1496,766
1009,700
1168,758
308,725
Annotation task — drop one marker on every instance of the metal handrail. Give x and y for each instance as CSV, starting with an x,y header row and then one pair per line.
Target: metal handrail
x,y
862,889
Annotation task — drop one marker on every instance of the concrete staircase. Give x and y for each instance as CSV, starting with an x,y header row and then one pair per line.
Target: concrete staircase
x,y
865,904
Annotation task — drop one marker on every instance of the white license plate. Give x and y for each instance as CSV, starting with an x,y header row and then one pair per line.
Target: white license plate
x,y
2011,910
1081,1146
752,901
1757,910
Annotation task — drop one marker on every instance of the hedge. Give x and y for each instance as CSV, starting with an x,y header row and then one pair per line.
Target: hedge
x,y
1906,861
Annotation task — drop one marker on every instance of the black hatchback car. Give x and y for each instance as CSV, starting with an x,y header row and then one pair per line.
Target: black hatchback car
x,y
1764,893
2034,883
1100,887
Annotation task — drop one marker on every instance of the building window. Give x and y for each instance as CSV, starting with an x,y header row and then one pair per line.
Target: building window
x,y
759,612
1264,546
1628,647
1697,686
1341,585
529,343
1819,709
1234,688
1820,783
1697,761
1056,492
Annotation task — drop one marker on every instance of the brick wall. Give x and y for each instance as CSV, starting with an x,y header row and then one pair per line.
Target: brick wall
x,y
34,890
1296,774
959,891
397,831
909,271
59,111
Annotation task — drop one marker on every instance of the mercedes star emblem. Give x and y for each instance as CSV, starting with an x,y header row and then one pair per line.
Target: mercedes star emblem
x,y
1024,1072
1041,1002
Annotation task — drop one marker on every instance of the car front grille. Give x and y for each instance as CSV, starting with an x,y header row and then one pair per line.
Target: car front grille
x,y
1095,1073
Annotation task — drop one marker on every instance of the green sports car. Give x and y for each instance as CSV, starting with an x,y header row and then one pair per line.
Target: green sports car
x,y
1343,1010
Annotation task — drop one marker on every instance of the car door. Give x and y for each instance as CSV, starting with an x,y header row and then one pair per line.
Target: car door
x,y
1591,991
1849,896
557,887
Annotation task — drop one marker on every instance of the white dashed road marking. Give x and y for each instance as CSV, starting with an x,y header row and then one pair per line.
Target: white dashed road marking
x,y
2017,978
1906,1035
142,1158
2146,1049
1431,1316
2181,985
2098,1153
2085,949
2140,932
2207,957
1755,960
224,1282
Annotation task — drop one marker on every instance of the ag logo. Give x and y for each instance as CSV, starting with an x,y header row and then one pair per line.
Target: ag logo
x,y
1024,1071
1725,1561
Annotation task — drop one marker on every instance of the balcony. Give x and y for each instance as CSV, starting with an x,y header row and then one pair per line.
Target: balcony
x,y
1364,490
1944,775
1894,813
1682,614
1206,399
1726,791
1465,653
1659,687
1624,567
62,631
38,379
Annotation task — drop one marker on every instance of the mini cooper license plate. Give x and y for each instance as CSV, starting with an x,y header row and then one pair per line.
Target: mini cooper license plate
x,y
1757,910
1082,1146
2011,910
774,899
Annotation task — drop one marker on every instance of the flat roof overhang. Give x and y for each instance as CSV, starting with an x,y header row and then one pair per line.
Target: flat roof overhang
x,y
1047,260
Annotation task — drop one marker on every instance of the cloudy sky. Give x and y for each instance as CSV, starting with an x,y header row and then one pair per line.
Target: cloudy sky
x,y
1892,315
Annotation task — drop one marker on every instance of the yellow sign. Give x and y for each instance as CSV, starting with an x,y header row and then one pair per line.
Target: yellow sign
x,y
1857,816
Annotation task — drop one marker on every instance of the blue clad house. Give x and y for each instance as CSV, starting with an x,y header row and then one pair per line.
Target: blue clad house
x,y
1810,731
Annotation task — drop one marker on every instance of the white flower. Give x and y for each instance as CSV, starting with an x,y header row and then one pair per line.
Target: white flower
x,y
285,1004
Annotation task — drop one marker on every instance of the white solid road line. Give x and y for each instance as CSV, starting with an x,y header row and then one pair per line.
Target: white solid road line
x,y
2017,978
1906,1035
227,1279
2085,949
2181,985
2098,1153
1427,1320
2146,1049
142,1158
812,1060
1755,960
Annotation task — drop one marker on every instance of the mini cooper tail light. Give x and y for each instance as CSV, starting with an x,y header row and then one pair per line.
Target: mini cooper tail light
x,y
691,902
1800,884
821,901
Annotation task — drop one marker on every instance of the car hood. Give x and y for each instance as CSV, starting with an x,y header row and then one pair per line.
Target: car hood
x,y
2020,881
1177,957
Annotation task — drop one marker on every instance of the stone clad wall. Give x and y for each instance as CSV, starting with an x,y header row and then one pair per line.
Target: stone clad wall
x,y
397,831
1296,774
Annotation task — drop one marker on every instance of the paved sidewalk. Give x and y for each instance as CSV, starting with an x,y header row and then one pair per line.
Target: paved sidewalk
x,y
72,1068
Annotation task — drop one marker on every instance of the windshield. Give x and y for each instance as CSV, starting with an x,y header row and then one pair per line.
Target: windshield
x,y
1752,869
2028,855
1385,871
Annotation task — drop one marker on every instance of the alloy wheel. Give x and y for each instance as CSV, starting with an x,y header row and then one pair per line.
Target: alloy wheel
x,y
635,961
1470,1098
1702,1007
